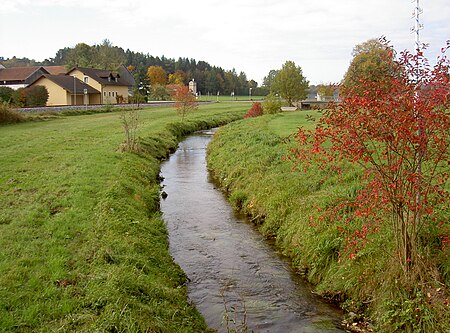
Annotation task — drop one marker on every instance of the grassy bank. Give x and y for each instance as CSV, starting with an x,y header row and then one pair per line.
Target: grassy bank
x,y
247,159
82,244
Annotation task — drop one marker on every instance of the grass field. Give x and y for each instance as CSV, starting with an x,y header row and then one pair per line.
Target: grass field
x,y
246,157
225,98
83,247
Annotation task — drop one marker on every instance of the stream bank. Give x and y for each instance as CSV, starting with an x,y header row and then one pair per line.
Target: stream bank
x,y
235,276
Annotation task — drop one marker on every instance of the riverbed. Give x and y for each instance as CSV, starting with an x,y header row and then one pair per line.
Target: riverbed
x,y
236,279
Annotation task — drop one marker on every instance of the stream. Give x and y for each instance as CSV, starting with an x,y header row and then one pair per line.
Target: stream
x,y
236,278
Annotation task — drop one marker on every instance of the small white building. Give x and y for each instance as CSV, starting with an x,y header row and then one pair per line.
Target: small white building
x,y
193,87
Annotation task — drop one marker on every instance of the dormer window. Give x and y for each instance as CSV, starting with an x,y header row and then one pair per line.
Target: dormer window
x,y
86,79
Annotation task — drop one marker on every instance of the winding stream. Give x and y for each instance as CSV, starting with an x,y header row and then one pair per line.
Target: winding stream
x,y
228,263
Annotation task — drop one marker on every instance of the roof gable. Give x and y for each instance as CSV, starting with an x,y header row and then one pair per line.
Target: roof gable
x,y
102,76
20,73
71,84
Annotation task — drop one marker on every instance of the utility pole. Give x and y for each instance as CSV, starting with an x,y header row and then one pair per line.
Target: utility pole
x,y
417,25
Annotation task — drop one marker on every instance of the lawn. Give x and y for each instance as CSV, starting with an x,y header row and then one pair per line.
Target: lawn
x,y
248,158
83,247
287,123
227,98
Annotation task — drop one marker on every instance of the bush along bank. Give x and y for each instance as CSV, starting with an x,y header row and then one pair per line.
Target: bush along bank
x,y
246,158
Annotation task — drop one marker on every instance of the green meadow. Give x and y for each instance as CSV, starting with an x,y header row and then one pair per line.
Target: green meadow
x,y
248,159
83,245
228,98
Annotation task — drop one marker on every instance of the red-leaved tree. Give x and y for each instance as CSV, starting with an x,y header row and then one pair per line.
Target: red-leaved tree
x,y
185,101
397,129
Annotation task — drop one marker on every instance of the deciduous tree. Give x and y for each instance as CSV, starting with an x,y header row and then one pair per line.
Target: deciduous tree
x,y
290,83
81,55
372,60
107,56
185,102
179,77
157,75
159,93
268,80
397,130
326,90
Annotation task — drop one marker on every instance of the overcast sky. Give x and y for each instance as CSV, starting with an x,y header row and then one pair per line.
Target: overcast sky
x,y
253,36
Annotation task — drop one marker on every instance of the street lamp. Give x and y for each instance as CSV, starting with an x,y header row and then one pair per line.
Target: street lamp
x,y
74,90
250,92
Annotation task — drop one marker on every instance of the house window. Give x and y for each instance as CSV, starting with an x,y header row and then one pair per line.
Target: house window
x,y
104,93
86,79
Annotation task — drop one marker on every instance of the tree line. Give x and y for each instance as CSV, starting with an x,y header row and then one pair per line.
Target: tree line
x,y
152,74
210,79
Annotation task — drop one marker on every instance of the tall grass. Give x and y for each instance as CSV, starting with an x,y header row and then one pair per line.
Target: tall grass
x,y
246,157
8,115
83,247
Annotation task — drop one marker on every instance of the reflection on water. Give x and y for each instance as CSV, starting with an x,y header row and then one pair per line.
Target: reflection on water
x,y
227,261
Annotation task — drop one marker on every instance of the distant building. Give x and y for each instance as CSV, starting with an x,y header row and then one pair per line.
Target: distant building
x,y
67,90
193,87
20,77
111,85
78,86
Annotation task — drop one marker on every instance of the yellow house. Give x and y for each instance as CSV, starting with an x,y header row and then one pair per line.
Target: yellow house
x,y
112,86
67,90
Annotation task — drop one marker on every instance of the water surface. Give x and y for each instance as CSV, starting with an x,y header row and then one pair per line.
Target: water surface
x,y
227,261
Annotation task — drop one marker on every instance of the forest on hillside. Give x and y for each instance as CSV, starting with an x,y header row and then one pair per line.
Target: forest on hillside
x,y
210,79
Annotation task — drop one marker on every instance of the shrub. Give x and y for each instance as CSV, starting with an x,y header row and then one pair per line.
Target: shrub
x,y
31,96
36,96
159,93
255,111
272,104
120,99
136,98
6,94
8,115
130,123
19,97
